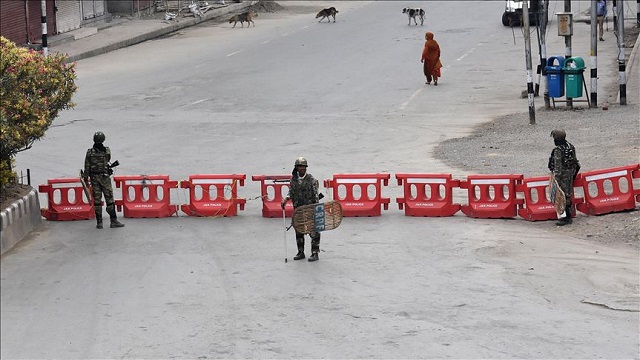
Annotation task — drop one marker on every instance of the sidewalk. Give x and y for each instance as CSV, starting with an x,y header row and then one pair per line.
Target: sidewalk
x,y
121,32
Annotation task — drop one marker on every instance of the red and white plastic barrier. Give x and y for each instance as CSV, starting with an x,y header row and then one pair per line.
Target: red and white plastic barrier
x,y
491,196
273,188
427,194
359,194
145,196
537,205
213,194
66,200
609,190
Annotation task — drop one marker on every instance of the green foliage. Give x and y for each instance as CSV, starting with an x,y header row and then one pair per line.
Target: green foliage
x,y
34,88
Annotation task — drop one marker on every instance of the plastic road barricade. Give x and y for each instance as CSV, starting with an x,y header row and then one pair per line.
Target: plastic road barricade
x,y
145,196
213,194
609,190
359,194
273,188
491,196
427,194
66,200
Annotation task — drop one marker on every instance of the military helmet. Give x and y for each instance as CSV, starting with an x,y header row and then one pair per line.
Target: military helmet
x,y
558,135
301,162
98,137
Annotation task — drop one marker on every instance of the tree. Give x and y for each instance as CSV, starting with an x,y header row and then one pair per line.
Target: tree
x,y
34,88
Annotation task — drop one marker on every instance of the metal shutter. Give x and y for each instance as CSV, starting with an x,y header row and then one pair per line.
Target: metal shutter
x,y
13,21
68,16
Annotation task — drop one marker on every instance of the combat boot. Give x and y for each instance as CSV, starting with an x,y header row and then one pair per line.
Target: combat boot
x,y
116,224
313,257
300,255
567,219
98,221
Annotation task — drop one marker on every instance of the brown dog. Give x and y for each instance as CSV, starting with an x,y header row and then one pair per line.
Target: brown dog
x,y
325,13
241,18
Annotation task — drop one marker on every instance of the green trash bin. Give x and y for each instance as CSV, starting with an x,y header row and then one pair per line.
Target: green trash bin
x,y
573,70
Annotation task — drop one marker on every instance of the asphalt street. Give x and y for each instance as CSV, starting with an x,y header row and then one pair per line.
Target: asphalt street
x,y
350,97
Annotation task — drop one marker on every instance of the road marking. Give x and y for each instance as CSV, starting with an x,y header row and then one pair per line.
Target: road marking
x,y
404,105
201,65
304,27
265,42
465,54
283,35
233,53
198,102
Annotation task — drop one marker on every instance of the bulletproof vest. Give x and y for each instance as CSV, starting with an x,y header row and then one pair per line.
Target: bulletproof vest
x,y
99,161
569,158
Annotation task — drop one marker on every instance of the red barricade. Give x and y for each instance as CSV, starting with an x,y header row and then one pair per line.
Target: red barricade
x,y
66,200
491,196
145,196
427,194
609,190
364,203
213,195
636,175
273,188
537,205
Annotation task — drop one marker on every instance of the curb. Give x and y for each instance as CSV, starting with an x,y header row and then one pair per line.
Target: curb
x,y
18,220
209,15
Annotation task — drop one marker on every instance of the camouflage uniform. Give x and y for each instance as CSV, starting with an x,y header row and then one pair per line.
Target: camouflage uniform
x,y
304,191
96,167
564,164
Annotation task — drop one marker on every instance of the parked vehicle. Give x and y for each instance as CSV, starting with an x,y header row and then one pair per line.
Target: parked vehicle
x,y
512,15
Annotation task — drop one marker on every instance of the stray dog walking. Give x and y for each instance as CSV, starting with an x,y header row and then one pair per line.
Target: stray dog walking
x,y
241,18
325,13
414,13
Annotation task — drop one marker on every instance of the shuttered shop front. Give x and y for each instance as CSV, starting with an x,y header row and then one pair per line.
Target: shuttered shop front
x,y
68,16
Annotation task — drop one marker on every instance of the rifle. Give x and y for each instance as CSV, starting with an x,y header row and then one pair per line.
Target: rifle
x,y
85,185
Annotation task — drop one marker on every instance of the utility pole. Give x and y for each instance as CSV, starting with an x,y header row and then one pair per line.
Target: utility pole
x,y
539,13
567,44
527,54
594,55
43,8
621,65
543,49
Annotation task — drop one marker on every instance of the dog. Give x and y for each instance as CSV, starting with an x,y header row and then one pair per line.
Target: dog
x,y
414,13
325,13
241,18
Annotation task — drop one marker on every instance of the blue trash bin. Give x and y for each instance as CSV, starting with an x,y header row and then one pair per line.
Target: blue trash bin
x,y
555,77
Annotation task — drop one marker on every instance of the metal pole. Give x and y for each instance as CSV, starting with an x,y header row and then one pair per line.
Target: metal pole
x,y
543,50
622,76
527,53
567,44
615,15
43,8
594,55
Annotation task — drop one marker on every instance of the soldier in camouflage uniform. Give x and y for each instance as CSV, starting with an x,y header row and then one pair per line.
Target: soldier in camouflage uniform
x,y
565,166
98,169
303,190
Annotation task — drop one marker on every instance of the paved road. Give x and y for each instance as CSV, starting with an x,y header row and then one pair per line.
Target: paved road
x,y
350,97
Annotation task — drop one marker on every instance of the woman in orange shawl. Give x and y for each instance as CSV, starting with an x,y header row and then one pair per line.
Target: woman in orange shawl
x,y
431,59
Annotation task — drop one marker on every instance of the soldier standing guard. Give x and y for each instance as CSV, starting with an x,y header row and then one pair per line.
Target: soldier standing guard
x,y
565,166
303,190
98,169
